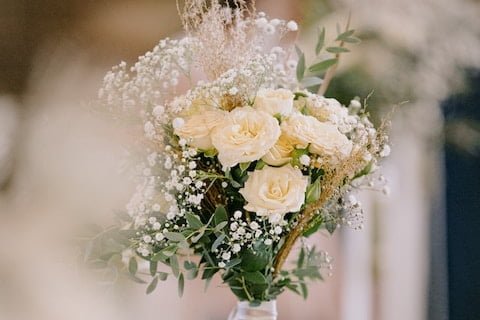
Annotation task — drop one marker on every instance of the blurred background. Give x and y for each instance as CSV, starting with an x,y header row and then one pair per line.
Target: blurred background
x,y
418,256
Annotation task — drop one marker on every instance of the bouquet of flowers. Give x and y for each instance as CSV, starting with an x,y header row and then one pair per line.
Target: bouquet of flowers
x,y
241,155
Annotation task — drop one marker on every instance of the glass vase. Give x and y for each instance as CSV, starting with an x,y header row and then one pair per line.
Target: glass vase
x,y
265,311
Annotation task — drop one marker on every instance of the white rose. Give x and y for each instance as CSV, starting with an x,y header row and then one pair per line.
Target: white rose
x,y
275,191
274,102
197,128
324,109
280,153
322,138
245,135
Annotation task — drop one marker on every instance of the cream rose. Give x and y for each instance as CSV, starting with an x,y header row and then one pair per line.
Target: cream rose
x,y
280,153
274,102
244,135
322,138
275,191
197,128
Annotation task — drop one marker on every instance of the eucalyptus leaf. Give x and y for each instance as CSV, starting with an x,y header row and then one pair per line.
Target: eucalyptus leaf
x,y
193,221
181,285
151,287
220,226
218,242
311,81
199,235
320,41
232,263
255,277
160,256
175,236
323,65
153,267
162,276
170,250
132,266
174,265
300,65
345,35
337,50
220,215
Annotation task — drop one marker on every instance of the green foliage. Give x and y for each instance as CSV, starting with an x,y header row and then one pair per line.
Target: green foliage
x,y
153,284
193,221
300,64
132,266
181,285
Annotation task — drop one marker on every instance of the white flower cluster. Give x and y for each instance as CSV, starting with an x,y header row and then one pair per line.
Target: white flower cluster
x,y
244,233
152,80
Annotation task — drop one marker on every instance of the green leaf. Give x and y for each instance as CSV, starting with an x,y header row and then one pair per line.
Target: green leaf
x,y
352,40
337,49
160,256
364,171
293,288
345,35
300,64
296,154
136,279
301,258
320,41
232,263
181,285
331,226
170,250
304,289
210,153
313,226
308,82
175,236
299,95
220,226
313,192
193,221
162,276
255,277
220,215
153,267
322,66
132,266
174,265
151,287
254,261
260,164
199,235
192,270
218,242
244,166
189,265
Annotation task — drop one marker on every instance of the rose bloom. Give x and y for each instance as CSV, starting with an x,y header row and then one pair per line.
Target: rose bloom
x,y
324,109
280,153
198,127
245,135
275,191
323,139
274,102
